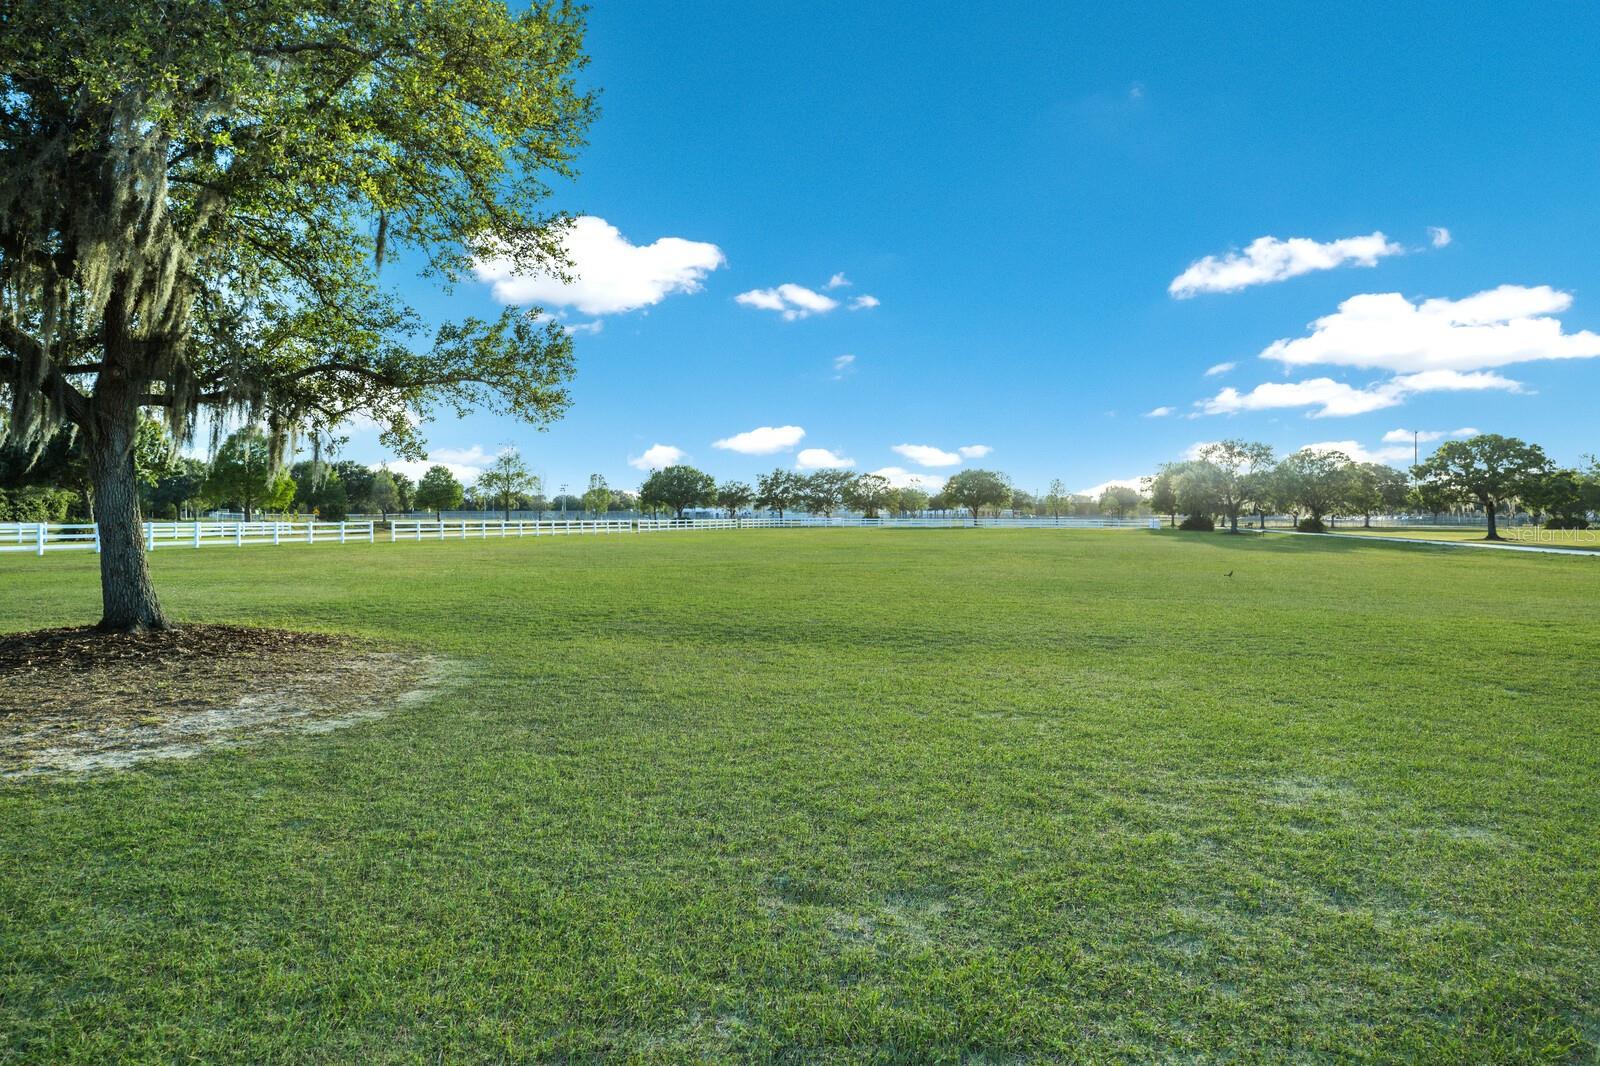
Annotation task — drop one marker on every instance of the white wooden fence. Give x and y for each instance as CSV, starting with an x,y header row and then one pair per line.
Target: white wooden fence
x,y
36,538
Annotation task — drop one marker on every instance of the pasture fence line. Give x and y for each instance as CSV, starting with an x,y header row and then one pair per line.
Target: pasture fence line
x,y
37,538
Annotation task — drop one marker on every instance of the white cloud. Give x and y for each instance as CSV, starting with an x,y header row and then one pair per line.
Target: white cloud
x,y
821,459
1498,327
790,300
1439,236
763,440
1135,483
1393,453
1404,436
974,451
901,478
1159,412
656,457
1335,398
1220,368
843,365
1267,259
796,301
574,328
927,455
610,274
464,463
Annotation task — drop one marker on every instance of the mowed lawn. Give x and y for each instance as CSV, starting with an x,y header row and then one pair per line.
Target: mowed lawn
x,y
830,795
1540,538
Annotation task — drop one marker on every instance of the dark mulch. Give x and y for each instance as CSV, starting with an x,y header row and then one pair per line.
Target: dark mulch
x,y
83,674
85,649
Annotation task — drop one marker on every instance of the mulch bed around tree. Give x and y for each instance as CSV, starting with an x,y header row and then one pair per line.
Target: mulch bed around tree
x,y
78,699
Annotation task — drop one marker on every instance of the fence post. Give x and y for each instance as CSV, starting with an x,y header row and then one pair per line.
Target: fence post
x,y
238,534
341,532
277,527
197,532
149,535
311,531
372,532
42,531
391,533
97,538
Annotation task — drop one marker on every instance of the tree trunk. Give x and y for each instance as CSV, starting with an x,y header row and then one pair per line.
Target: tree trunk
x,y
1488,509
128,599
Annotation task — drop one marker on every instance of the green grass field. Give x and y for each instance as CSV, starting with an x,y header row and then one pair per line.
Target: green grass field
x,y
1588,539
829,795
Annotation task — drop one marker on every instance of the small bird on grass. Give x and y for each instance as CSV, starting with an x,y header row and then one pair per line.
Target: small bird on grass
x,y
1228,574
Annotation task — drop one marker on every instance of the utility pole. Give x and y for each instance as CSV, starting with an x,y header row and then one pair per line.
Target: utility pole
x,y
1414,454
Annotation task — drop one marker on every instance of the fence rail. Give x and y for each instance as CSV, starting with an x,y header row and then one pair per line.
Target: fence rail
x,y
36,538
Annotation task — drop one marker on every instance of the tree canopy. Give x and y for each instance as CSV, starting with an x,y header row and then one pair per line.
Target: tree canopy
x,y
976,489
243,473
507,477
678,487
1489,468
438,490
196,198
732,495
1316,479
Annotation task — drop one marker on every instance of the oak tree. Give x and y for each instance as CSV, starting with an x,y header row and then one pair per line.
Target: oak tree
x,y
196,198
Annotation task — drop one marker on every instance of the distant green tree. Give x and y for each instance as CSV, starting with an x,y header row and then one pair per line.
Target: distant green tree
x,y
974,490
1556,495
179,490
823,492
910,500
505,478
778,491
405,491
733,496
868,493
597,500
1376,487
1317,480
438,490
679,488
385,494
357,479
1163,490
1056,500
1432,498
1488,468
1240,466
1119,501
244,473
1198,485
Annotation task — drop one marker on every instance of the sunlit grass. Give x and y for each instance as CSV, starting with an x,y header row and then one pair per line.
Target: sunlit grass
x,y
830,794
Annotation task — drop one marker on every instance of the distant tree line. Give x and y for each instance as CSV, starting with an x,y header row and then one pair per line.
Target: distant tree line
x,y
1228,481
1487,474
244,476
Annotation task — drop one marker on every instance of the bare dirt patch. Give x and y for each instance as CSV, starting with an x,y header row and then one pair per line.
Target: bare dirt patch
x,y
74,700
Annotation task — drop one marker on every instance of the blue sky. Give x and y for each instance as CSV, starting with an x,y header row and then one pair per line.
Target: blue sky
x,y
1018,190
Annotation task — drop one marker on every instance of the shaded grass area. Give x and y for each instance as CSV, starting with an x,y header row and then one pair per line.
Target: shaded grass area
x,y
849,795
